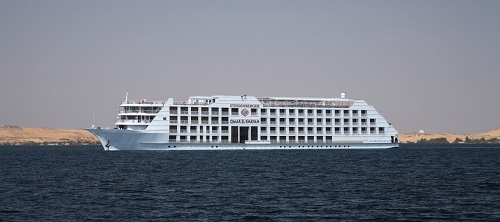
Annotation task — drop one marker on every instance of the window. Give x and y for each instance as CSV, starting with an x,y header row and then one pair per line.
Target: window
x,y
253,112
301,129
310,130
282,121
381,130
273,129
273,120
234,111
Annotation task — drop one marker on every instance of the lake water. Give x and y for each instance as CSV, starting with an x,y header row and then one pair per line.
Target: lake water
x,y
414,182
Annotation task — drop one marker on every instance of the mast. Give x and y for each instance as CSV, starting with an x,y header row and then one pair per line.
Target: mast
x,y
93,118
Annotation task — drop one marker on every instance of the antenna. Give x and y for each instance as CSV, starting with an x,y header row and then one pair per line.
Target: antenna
x,y
93,118
126,97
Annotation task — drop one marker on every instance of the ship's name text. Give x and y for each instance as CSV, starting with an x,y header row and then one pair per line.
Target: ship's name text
x,y
244,121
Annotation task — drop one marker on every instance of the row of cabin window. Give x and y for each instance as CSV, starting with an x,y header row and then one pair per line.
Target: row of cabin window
x,y
265,130
200,128
198,138
264,111
317,120
297,138
174,138
321,129
281,120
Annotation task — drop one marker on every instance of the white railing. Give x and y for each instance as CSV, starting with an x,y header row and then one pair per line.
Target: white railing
x,y
143,102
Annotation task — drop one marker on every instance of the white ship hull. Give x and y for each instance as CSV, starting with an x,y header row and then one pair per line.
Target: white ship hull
x,y
114,140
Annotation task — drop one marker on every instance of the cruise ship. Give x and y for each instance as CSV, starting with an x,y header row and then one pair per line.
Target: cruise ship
x,y
247,122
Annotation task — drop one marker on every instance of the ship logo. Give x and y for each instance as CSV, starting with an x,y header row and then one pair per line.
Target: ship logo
x,y
244,112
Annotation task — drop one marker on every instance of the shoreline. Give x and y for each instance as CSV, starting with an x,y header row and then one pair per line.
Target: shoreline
x,y
15,135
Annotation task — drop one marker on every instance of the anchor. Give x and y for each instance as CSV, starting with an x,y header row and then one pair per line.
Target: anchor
x,y
107,145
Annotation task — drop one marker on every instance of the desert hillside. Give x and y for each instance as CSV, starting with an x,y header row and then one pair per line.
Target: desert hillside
x,y
414,137
18,135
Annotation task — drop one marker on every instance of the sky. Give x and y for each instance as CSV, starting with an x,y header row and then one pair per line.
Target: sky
x,y
431,65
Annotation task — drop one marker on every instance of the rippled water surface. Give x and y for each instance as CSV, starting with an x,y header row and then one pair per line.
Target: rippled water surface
x,y
419,182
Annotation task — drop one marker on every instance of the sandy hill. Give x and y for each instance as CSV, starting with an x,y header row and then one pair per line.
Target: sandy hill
x,y
414,137
19,135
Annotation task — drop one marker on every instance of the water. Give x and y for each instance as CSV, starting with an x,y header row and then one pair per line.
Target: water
x,y
415,183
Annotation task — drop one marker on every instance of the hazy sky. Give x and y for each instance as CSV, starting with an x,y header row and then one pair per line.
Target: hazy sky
x,y
431,65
